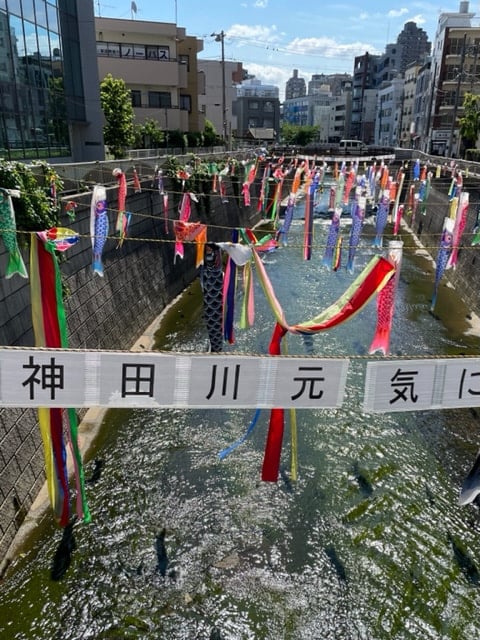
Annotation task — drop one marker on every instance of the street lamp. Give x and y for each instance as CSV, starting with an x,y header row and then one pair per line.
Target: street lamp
x,y
220,37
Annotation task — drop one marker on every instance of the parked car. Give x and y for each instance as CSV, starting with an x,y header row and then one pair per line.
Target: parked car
x,y
352,147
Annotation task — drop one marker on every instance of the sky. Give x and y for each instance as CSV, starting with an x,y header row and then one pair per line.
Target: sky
x,y
273,37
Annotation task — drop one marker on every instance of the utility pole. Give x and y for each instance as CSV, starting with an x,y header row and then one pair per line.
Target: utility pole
x,y
457,96
220,37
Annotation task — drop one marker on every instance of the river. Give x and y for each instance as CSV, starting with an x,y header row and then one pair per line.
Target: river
x,y
368,543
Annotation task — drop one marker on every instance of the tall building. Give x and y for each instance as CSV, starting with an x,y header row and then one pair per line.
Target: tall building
x,y
408,128
158,62
363,84
295,87
49,94
422,106
413,45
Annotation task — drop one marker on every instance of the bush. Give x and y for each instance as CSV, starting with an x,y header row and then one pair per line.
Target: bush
x,y
472,154
38,207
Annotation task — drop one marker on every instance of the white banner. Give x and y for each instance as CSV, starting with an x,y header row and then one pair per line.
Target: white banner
x,y
63,378
414,385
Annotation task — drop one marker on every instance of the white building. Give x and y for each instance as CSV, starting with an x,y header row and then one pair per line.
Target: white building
x,y
389,113
211,101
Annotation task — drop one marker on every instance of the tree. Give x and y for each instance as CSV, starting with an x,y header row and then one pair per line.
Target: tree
x,y
210,136
296,135
116,103
470,121
194,138
177,138
153,136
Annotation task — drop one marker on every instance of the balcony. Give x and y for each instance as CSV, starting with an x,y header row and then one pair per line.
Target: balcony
x,y
165,73
169,119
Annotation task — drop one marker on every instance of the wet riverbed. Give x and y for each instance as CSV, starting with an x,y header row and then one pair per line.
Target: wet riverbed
x,y
369,543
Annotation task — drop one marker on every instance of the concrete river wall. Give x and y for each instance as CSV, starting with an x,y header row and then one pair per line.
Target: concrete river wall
x,y
141,279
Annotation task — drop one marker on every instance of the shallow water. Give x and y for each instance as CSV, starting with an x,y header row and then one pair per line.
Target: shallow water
x,y
369,543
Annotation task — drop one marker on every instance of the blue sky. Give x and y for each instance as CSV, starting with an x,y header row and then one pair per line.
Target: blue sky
x,y
273,37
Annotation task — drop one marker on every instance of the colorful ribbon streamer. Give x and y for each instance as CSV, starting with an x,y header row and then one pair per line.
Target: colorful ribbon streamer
x,y
50,330
370,281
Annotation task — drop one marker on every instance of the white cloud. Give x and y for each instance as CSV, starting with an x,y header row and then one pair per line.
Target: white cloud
x,y
270,74
396,13
419,19
257,33
260,4
328,48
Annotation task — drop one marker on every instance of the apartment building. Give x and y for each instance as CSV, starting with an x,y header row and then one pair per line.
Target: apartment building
x,y
158,62
455,71
408,125
211,100
295,87
257,109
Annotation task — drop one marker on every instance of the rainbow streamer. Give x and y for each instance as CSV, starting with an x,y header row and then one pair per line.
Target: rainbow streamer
x,y
49,326
369,282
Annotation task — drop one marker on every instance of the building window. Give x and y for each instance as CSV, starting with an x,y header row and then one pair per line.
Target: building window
x,y
108,49
136,51
157,53
184,59
253,104
136,98
159,100
154,52
186,103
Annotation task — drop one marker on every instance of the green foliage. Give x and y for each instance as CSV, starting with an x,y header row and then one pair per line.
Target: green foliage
x,y
36,209
210,136
153,135
117,108
148,135
194,138
472,154
177,138
470,121
138,136
296,135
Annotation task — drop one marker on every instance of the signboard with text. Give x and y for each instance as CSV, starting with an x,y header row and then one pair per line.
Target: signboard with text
x,y
69,378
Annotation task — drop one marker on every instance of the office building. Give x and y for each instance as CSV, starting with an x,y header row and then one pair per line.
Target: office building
x,y
49,94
